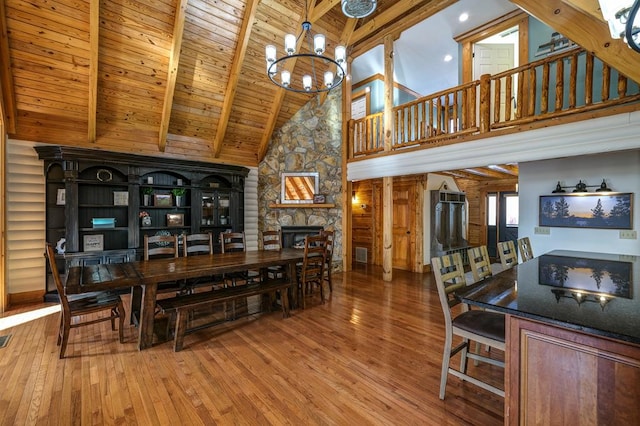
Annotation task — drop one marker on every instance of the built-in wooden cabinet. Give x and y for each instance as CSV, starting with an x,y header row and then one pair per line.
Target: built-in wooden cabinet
x,y
560,376
95,201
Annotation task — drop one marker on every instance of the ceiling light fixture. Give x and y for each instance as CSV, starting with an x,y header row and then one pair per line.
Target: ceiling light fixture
x,y
621,17
463,17
358,8
333,70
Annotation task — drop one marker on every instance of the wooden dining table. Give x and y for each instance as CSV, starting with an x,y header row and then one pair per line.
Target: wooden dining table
x,y
147,275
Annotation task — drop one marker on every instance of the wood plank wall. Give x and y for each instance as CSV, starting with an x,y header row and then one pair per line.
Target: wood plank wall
x,y
365,222
477,191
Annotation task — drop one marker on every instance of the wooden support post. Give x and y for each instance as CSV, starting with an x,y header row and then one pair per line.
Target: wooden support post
x,y
485,103
387,182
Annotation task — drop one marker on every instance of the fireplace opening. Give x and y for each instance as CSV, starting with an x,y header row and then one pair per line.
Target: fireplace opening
x,y
293,236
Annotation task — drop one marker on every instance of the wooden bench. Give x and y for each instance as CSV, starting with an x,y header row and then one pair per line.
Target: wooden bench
x,y
182,306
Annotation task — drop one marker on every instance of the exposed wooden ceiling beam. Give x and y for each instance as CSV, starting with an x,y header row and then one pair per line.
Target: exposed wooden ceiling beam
x,y
94,44
486,172
322,9
362,39
174,61
8,98
592,7
234,75
589,32
508,169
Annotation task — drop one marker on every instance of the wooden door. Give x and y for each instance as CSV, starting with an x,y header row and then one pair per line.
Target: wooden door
x,y
493,59
407,220
404,213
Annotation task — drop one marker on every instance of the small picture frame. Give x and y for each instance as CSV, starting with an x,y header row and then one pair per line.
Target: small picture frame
x,y
93,242
60,197
319,199
120,198
175,220
162,200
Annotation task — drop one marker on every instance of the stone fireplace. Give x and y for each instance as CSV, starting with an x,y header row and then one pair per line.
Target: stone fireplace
x,y
310,142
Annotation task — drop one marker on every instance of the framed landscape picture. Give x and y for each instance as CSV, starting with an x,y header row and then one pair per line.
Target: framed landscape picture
x,y
162,200
611,210
175,219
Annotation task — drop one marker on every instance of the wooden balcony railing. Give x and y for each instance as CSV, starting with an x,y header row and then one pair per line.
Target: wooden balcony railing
x,y
557,86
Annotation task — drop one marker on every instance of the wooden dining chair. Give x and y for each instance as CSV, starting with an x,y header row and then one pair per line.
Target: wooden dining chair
x,y
156,246
524,246
234,242
483,327
199,245
162,246
508,254
195,244
480,262
328,264
84,307
311,271
272,240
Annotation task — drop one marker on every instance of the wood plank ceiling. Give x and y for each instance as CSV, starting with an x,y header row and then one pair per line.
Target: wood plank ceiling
x,y
178,78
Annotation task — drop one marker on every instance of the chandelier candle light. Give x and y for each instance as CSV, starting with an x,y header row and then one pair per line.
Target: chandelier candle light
x,y
333,70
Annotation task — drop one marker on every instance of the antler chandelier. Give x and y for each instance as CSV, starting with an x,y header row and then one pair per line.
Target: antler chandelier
x,y
332,70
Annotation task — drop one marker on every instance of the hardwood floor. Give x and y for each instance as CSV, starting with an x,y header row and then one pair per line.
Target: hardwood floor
x,y
370,355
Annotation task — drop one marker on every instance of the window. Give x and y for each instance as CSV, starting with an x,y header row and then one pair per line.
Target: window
x,y
492,214
513,212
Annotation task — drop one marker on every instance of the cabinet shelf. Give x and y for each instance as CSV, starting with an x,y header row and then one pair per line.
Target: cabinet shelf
x,y
100,206
164,208
162,228
123,185
302,206
117,228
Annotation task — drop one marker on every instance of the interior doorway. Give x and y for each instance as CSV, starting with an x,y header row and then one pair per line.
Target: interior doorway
x,y
502,219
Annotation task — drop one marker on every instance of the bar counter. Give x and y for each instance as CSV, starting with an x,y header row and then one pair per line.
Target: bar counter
x,y
595,293
572,338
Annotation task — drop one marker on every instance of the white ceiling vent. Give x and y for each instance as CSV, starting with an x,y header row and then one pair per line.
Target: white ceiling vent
x,y
358,8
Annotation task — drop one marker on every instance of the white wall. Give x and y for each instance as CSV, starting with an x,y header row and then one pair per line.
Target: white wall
x,y
622,173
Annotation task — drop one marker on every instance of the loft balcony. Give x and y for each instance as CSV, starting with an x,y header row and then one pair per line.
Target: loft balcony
x,y
567,87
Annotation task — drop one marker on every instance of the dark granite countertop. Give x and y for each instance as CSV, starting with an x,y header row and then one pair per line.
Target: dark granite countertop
x,y
595,293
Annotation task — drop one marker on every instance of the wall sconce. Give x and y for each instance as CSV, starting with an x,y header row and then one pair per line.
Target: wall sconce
x,y
353,197
582,187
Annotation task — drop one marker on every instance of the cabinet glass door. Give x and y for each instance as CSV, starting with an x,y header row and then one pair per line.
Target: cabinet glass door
x,y
208,210
215,209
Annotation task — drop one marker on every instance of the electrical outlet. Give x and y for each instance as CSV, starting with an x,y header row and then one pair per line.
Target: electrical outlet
x,y
543,230
628,235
